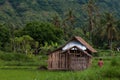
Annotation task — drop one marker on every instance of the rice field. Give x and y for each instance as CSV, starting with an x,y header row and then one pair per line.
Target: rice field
x,y
15,70
7,74
107,72
51,75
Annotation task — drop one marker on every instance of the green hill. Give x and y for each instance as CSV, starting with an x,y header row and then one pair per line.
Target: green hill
x,y
19,12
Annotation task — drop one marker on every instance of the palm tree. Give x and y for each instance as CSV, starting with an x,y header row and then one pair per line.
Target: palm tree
x,y
69,19
109,29
68,24
93,14
56,21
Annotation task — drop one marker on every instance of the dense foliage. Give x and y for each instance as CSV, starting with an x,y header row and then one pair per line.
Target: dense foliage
x,y
43,32
23,11
31,26
4,36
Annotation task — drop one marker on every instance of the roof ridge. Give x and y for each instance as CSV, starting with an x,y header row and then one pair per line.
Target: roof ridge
x,y
82,41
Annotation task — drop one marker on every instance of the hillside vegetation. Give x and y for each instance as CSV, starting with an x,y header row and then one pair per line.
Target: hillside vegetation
x,y
43,25
19,12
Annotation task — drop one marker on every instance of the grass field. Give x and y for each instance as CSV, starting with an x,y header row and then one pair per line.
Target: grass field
x,y
17,70
110,71
28,74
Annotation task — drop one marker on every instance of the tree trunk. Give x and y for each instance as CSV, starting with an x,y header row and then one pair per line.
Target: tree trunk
x,y
110,44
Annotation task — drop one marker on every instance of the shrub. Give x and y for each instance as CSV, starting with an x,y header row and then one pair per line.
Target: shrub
x,y
14,57
114,62
6,57
112,72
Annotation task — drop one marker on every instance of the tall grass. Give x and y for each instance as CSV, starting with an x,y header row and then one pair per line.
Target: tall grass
x,y
107,72
17,60
14,57
25,70
90,74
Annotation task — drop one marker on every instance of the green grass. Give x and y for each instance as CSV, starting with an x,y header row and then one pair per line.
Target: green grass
x,y
27,70
43,75
109,71
103,53
33,74
17,59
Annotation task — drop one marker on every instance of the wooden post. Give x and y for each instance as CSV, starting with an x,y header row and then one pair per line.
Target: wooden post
x,y
68,65
59,59
65,60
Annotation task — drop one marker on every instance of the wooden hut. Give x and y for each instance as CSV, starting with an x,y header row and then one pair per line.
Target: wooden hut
x,y
74,55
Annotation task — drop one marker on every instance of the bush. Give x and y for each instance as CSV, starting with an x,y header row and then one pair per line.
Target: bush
x,y
114,62
105,53
14,57
112,72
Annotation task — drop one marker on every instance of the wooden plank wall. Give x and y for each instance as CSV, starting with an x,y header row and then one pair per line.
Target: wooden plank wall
x,y
58,61
54,60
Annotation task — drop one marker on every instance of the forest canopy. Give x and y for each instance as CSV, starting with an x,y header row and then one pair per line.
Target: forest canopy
x,y
33,26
